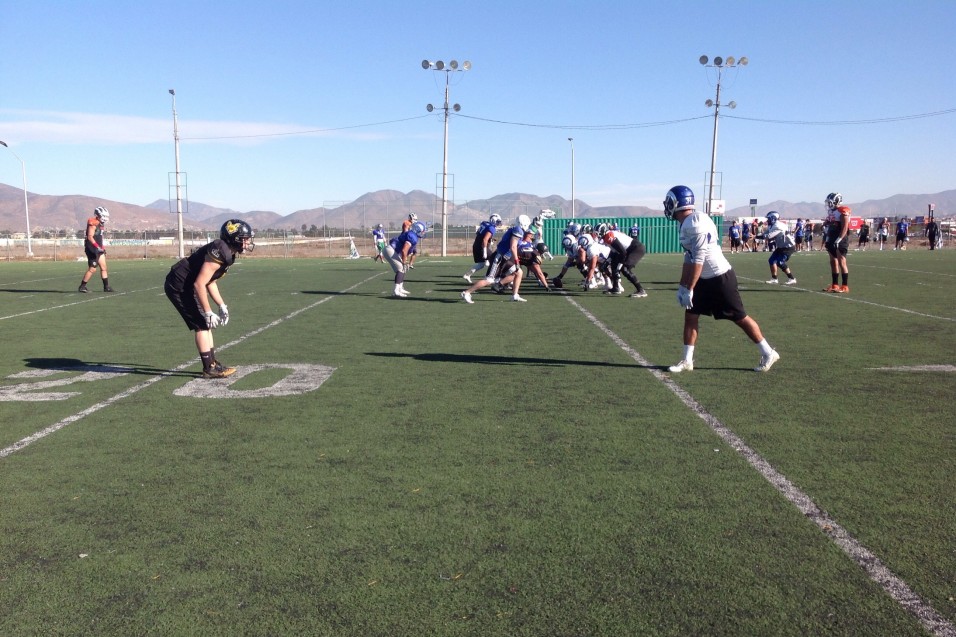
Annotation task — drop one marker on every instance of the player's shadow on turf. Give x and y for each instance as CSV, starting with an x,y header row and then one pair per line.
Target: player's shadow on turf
x,y
443,357
76,365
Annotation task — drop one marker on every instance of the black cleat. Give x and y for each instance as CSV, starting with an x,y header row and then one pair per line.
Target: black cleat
x,y
218,370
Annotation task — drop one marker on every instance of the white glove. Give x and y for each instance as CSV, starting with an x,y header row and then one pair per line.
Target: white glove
x,y
212,320
223,314
685,297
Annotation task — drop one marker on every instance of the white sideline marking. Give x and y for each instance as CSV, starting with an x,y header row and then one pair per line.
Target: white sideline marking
x,y
851,299
864,558
69,420
916,368
101,296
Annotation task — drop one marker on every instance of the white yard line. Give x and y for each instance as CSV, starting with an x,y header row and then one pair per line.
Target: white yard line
x,y
69,420
895,587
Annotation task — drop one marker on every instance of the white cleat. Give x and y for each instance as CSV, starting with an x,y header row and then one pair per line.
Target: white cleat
x,y
466,277
683,366
773,282
517,298
791,282
766,362
466,297
639,295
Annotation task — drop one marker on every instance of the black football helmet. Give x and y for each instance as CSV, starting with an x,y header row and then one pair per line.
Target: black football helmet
x,y
239,235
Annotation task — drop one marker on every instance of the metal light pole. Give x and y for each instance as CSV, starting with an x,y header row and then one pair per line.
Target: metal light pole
x,y
26,205
179,196
571,139
449,69
720,64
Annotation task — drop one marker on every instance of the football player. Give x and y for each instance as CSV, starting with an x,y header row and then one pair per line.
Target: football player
x,y
378,235
531,256
596,259
836,242
626,251
399,253
708,284
95,249
504,268
406,226
778,235
193,281
484,239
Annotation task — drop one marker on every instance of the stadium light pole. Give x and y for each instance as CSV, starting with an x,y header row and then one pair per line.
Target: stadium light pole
x,y
450,68
179,195
720,64
571,139
26,205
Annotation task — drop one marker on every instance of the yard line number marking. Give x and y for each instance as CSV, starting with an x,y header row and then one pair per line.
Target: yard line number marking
x,y
69,420
895,587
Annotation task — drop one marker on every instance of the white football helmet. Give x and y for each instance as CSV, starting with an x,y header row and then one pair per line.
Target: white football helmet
x,y
524,222
102,214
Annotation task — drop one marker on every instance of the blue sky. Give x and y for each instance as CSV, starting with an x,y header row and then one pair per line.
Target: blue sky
x,y
290,105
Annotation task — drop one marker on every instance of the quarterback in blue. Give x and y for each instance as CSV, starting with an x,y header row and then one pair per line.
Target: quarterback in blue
x,y
399,253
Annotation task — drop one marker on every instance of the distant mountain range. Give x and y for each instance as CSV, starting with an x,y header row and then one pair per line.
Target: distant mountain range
x,y
389,207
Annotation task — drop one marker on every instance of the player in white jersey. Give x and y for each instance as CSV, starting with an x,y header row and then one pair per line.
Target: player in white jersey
x,y
708,284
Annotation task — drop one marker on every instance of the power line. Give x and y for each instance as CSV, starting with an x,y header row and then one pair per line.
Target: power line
x,y
845,122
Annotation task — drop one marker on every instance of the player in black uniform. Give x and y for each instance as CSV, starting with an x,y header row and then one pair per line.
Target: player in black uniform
x,y
192,282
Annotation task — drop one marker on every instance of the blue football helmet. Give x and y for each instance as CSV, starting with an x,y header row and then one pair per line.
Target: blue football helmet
x,y
418,228
573,229
634,231
677,199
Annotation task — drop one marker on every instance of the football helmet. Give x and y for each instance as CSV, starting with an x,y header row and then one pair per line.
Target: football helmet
x,y
523,222
379,226
585,241
678,198
412,216
495,220
419,228
573,229
586,229
834,199
773,217
634,231
569,242
236,232
102,214
603,229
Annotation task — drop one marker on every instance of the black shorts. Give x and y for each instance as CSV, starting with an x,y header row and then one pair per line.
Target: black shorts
x,y
500,267
188,307
92,254
478,253
719,297
837,249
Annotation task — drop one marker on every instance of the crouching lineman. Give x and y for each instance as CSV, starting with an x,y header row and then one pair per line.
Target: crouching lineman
x,y
783,244
626,251
399,253
595,258
504,268
192,282
570,244
708,284
531,255
484,240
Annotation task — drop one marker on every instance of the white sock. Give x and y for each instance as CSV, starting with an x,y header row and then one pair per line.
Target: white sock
x,y
765,348
689,353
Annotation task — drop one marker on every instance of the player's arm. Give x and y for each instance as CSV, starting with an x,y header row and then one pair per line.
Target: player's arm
x,y
205,287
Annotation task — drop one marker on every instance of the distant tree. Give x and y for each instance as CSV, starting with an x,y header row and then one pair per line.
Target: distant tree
x,y
314,230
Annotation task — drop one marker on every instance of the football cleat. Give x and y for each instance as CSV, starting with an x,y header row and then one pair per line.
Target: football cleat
x,y
466,277
515,297
218,370
791,282
766,362
683,366
773,282
466,297
832,288
639,295
83,289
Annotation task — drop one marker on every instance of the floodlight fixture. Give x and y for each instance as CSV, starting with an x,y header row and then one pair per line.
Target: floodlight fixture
x,y
719,64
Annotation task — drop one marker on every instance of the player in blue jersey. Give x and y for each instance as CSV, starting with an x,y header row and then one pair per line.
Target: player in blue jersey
x,y
504,268
399,252
708,284
481,248
902,233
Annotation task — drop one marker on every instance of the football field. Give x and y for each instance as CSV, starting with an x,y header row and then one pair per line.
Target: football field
x,y
421,466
